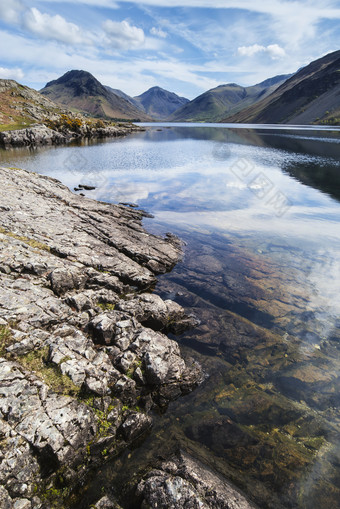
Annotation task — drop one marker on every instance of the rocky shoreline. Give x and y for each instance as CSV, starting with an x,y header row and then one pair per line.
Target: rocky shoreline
x,y
85,355
40,134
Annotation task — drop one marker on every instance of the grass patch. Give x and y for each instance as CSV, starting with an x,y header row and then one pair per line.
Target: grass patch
x,y
55,496
31,242
6,338
103,424
14,127
106,306
48,372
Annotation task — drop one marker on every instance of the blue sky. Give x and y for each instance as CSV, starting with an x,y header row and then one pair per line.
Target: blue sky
x,y
186,46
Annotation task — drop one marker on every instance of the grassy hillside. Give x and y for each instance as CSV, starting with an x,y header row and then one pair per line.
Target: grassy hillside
x,y
215,104
22,106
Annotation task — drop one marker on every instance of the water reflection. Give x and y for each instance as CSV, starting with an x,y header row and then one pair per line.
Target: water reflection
x,y
259,211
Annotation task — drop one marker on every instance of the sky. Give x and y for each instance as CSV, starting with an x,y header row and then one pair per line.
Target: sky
x,y
185,46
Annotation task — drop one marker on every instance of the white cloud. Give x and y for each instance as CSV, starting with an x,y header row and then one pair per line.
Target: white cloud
x,y
273,50
249,51
52,27
158,32
11,74
10,10
122,35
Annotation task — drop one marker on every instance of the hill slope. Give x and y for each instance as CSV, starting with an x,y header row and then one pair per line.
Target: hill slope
x,y
224,100
160,103
82,91
312,95
21,106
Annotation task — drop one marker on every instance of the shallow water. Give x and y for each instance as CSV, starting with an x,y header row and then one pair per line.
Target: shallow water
x,y
259,211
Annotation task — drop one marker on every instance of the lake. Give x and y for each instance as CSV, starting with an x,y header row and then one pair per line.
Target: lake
x,y
259,212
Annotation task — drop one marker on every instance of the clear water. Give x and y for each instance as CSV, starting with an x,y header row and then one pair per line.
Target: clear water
x,y
260,214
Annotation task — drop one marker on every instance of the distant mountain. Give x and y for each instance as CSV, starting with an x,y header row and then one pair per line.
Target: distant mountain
x,y
125,96
312,95
21,106
81,91
224,100
159,103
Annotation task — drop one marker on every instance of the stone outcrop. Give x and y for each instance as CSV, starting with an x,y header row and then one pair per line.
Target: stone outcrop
x,y
37,135
184,482
84,353
43,135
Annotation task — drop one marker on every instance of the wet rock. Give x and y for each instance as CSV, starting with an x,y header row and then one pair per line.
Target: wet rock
x,y
153,312
184,482
220,434
135,426
106,503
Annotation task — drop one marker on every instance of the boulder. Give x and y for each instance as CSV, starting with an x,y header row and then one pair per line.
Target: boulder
x,y
184,482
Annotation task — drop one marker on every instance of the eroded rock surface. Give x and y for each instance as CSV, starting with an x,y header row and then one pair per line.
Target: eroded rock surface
x,y
184,482
83,352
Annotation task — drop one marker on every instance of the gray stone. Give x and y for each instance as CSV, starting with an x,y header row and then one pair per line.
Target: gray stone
x,y
135,426
106,503
22,503
184,482
65,279
37,135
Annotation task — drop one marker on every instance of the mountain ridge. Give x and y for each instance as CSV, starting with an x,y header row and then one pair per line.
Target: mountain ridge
x,y
81,91
311,95
160,103
213,105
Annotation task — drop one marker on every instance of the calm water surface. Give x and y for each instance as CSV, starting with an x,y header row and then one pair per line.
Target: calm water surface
x,y
260,214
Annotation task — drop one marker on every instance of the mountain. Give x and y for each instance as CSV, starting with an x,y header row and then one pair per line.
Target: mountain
x,y
224,100
81,91
21,106
122,94
312,95
159,103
